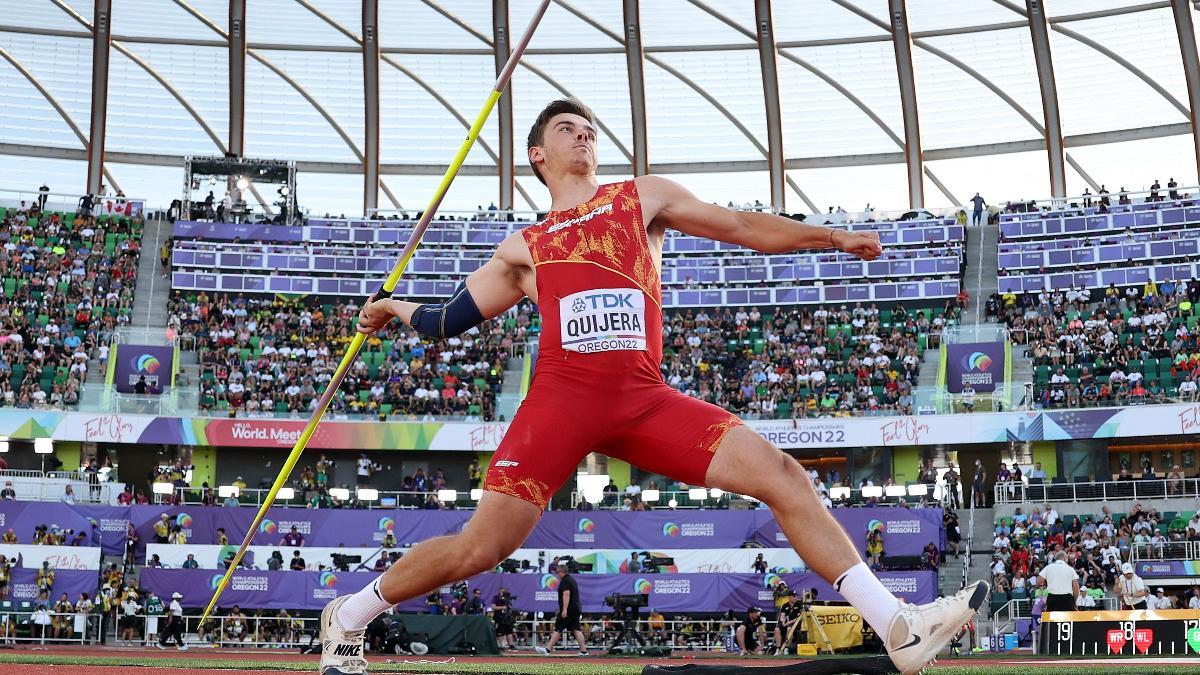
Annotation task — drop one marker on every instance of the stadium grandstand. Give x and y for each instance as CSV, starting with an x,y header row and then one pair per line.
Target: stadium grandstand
x,y
199,201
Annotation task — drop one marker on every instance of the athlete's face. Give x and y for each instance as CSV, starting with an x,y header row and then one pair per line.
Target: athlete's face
x,y
568,146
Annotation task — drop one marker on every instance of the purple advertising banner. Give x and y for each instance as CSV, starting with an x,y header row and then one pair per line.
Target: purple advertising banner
x,y
1169,568
980,364
23,585
905,531
155,363
244,231
534,592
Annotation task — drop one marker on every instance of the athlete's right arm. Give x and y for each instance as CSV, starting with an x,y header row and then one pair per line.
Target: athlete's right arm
x,y
496,286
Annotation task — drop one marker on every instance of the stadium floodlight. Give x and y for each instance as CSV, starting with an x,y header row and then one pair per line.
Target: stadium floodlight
x,y
339,493
840,492
895,491
243,183
287,493
447,496
918,489
672,503
650,496
716,493
367,494
872,491
227,491
697,494
4,446
43,446
476,494
162,488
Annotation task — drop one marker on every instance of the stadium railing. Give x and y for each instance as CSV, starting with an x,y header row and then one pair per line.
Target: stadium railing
x,y
17,627
1013,492
1170,550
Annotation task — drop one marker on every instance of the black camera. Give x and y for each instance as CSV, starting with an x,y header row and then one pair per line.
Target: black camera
x,y
627,600
459,590
342,562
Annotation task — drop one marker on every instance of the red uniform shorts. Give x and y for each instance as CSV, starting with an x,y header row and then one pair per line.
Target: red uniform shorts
x,y
645,423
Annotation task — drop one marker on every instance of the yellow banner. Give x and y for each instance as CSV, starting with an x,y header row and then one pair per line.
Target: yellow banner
x,y
842,625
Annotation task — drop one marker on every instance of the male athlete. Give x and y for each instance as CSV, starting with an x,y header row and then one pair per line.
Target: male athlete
x,y
592,267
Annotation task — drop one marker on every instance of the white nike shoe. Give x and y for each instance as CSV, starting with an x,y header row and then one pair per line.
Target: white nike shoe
x,y
918,632
541,650
341,649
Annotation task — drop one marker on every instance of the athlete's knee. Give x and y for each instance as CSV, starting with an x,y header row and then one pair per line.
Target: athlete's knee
x,y
480,556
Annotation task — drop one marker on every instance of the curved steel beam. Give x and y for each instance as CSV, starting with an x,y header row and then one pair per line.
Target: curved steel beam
x,y
500,38
635,67
837,86
769,68
902,43
1039,30
370,55
531,68
421,83
183,101
1185,29
694,86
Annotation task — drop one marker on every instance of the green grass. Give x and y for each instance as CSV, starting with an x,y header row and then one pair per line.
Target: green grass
x,y
978,665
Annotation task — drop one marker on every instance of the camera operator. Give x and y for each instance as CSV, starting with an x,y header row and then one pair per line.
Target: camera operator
x,y
752,632
504,618
569,611
785,625
475,604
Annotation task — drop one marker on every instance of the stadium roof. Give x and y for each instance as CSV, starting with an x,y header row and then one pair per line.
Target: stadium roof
x,y
975,96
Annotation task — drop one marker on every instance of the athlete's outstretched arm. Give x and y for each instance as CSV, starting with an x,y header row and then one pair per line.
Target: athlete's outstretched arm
x,y
670,204
487,292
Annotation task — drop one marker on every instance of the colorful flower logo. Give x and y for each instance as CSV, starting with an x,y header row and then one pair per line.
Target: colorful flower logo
x,y
875,526
183,520
328,579
977,361
387,524
215,581
642,586
670,529
550,582
585,525
147,363
268,526
771,580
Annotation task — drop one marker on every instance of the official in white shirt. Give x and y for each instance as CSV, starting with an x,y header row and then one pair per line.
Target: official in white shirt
x,y
1131,588
1061,583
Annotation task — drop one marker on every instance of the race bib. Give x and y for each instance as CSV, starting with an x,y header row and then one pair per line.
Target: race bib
x,y
603,320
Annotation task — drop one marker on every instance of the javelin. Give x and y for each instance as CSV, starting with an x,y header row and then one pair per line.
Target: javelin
x,y
386,291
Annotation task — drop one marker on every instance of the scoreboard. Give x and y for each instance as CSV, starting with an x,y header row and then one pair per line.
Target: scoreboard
x,y
1164,632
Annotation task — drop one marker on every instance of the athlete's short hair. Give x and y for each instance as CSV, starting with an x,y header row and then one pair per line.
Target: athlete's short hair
x,y
537,132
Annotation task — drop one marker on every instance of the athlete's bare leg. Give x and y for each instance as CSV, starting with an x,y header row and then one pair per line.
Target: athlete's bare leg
x,y
745,463
497,528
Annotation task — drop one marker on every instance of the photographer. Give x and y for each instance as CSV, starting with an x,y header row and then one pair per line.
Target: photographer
x,y
786,624
475,604
504,618
760,565
752,632
569,611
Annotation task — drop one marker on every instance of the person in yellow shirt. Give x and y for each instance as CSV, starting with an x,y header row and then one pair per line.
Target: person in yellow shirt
x,y
162,529
9,537
5,576
657,624
45,577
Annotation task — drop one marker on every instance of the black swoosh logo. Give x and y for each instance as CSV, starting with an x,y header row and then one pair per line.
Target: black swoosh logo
x,y
916,639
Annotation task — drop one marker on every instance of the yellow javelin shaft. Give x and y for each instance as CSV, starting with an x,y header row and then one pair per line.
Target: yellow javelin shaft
x,y
388,286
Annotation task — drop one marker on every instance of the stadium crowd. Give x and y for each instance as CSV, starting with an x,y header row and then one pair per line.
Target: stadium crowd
x,y
68,282
1103,347
801,362
271,355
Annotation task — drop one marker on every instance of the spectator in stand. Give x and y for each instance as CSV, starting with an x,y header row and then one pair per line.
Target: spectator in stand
x,y
977,203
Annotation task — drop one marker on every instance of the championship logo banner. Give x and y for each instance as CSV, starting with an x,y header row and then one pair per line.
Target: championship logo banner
x,y
979,364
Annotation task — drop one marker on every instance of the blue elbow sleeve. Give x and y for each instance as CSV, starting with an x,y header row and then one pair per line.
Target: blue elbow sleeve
x,y
447,319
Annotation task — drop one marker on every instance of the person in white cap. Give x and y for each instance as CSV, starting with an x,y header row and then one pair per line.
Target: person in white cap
x,y
174,628
1162,600
1131,588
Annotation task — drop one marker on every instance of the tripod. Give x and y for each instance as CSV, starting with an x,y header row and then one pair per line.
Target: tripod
x,y
629,634
807,615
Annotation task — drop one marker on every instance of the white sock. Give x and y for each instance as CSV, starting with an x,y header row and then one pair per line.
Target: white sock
x,y
863,589
362,607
